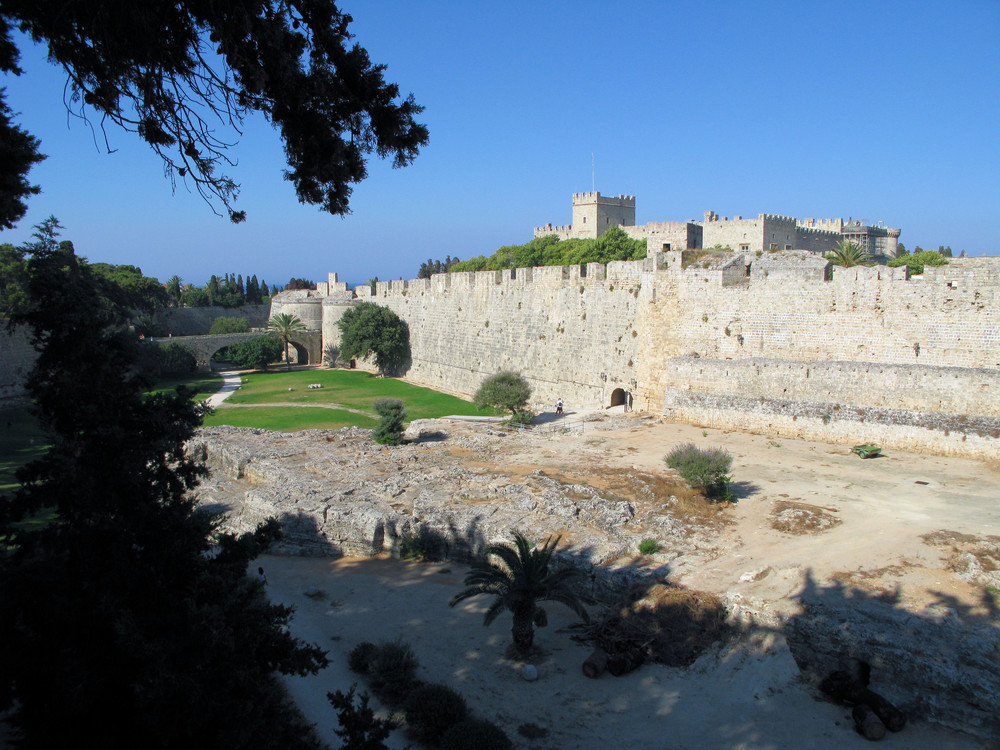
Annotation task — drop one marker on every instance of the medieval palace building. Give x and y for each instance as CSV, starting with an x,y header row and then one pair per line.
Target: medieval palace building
x,y
594,213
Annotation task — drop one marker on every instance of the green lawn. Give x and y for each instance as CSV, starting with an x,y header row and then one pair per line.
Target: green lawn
x,y
288,418
204,383
21,441
302,409
348,388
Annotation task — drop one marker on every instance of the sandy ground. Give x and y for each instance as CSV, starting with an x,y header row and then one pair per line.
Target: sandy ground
x,y
875,515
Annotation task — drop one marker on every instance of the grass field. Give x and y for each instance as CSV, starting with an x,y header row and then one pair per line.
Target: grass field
x,y
204,384
343,389
21,440
263,401
288,418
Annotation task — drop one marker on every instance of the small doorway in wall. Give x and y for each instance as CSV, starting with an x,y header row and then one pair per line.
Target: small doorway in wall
x,y
618,397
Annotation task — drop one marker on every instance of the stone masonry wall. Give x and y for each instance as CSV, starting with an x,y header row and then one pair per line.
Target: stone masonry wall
x,y
918,356
17,357
571,334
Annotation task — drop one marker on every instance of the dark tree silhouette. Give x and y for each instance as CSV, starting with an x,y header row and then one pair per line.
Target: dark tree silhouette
x,y
128,619
183,75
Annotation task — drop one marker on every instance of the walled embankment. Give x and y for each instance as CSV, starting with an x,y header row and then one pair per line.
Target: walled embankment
x,y
570,331
776,345
862,354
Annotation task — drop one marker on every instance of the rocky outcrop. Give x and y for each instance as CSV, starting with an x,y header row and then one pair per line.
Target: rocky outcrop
x,y
452,490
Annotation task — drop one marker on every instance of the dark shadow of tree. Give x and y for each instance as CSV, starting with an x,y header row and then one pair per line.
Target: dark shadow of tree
x,y
938,665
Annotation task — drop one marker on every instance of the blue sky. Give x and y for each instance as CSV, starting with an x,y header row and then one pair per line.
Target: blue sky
x,y
885,111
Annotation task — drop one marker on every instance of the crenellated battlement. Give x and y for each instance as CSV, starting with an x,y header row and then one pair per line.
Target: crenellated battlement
x,y
548,229
596,197
830,225
800,270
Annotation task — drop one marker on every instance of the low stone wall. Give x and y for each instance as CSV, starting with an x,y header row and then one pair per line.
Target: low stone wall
x,y
795,399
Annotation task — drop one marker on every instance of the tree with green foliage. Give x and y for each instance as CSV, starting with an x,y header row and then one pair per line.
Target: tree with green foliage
x,y
518,579
224,324
849,254
918,260
129,617
144,293
171,359
901,250
13,280
436,266
174,289
360,728
390,428
614,244
253,291
286,325
254,354
173,72
195,296
505,390
19,150
370,329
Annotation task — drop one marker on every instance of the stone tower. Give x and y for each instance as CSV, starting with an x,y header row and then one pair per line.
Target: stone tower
x,y
594,214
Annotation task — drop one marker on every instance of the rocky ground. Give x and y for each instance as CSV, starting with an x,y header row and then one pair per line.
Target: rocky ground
x,y
893,560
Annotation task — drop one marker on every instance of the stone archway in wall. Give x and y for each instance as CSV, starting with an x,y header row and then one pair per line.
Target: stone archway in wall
x,y
298,353
618,397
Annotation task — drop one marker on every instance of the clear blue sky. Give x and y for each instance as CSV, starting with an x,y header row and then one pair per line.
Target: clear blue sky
x,y
885,111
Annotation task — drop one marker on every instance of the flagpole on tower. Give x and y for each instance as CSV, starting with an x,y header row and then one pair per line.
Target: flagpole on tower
x,y
593,181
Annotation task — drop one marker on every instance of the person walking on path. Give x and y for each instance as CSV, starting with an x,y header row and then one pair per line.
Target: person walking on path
x,y
261,576
559,406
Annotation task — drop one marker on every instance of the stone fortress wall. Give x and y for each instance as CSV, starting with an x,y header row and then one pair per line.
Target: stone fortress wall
x,y
17,357
782,344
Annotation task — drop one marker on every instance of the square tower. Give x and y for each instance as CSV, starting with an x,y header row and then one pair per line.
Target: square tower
x,y
594,214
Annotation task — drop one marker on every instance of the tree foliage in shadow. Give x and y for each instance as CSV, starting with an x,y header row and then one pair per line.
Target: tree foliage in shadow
x,y
129,619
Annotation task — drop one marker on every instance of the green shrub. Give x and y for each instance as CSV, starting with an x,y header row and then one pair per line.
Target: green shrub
x,y
175,359
648,547
390,429
433,709
392,670
224,324
522,416
703,468
420,546
254,354
477,733
360,658
359,729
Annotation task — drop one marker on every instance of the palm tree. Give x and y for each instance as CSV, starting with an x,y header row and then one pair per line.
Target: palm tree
x,y
519,578
285,325
848,254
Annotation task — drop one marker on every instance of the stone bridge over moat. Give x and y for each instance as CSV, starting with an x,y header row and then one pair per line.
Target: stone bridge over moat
x,y
308,345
